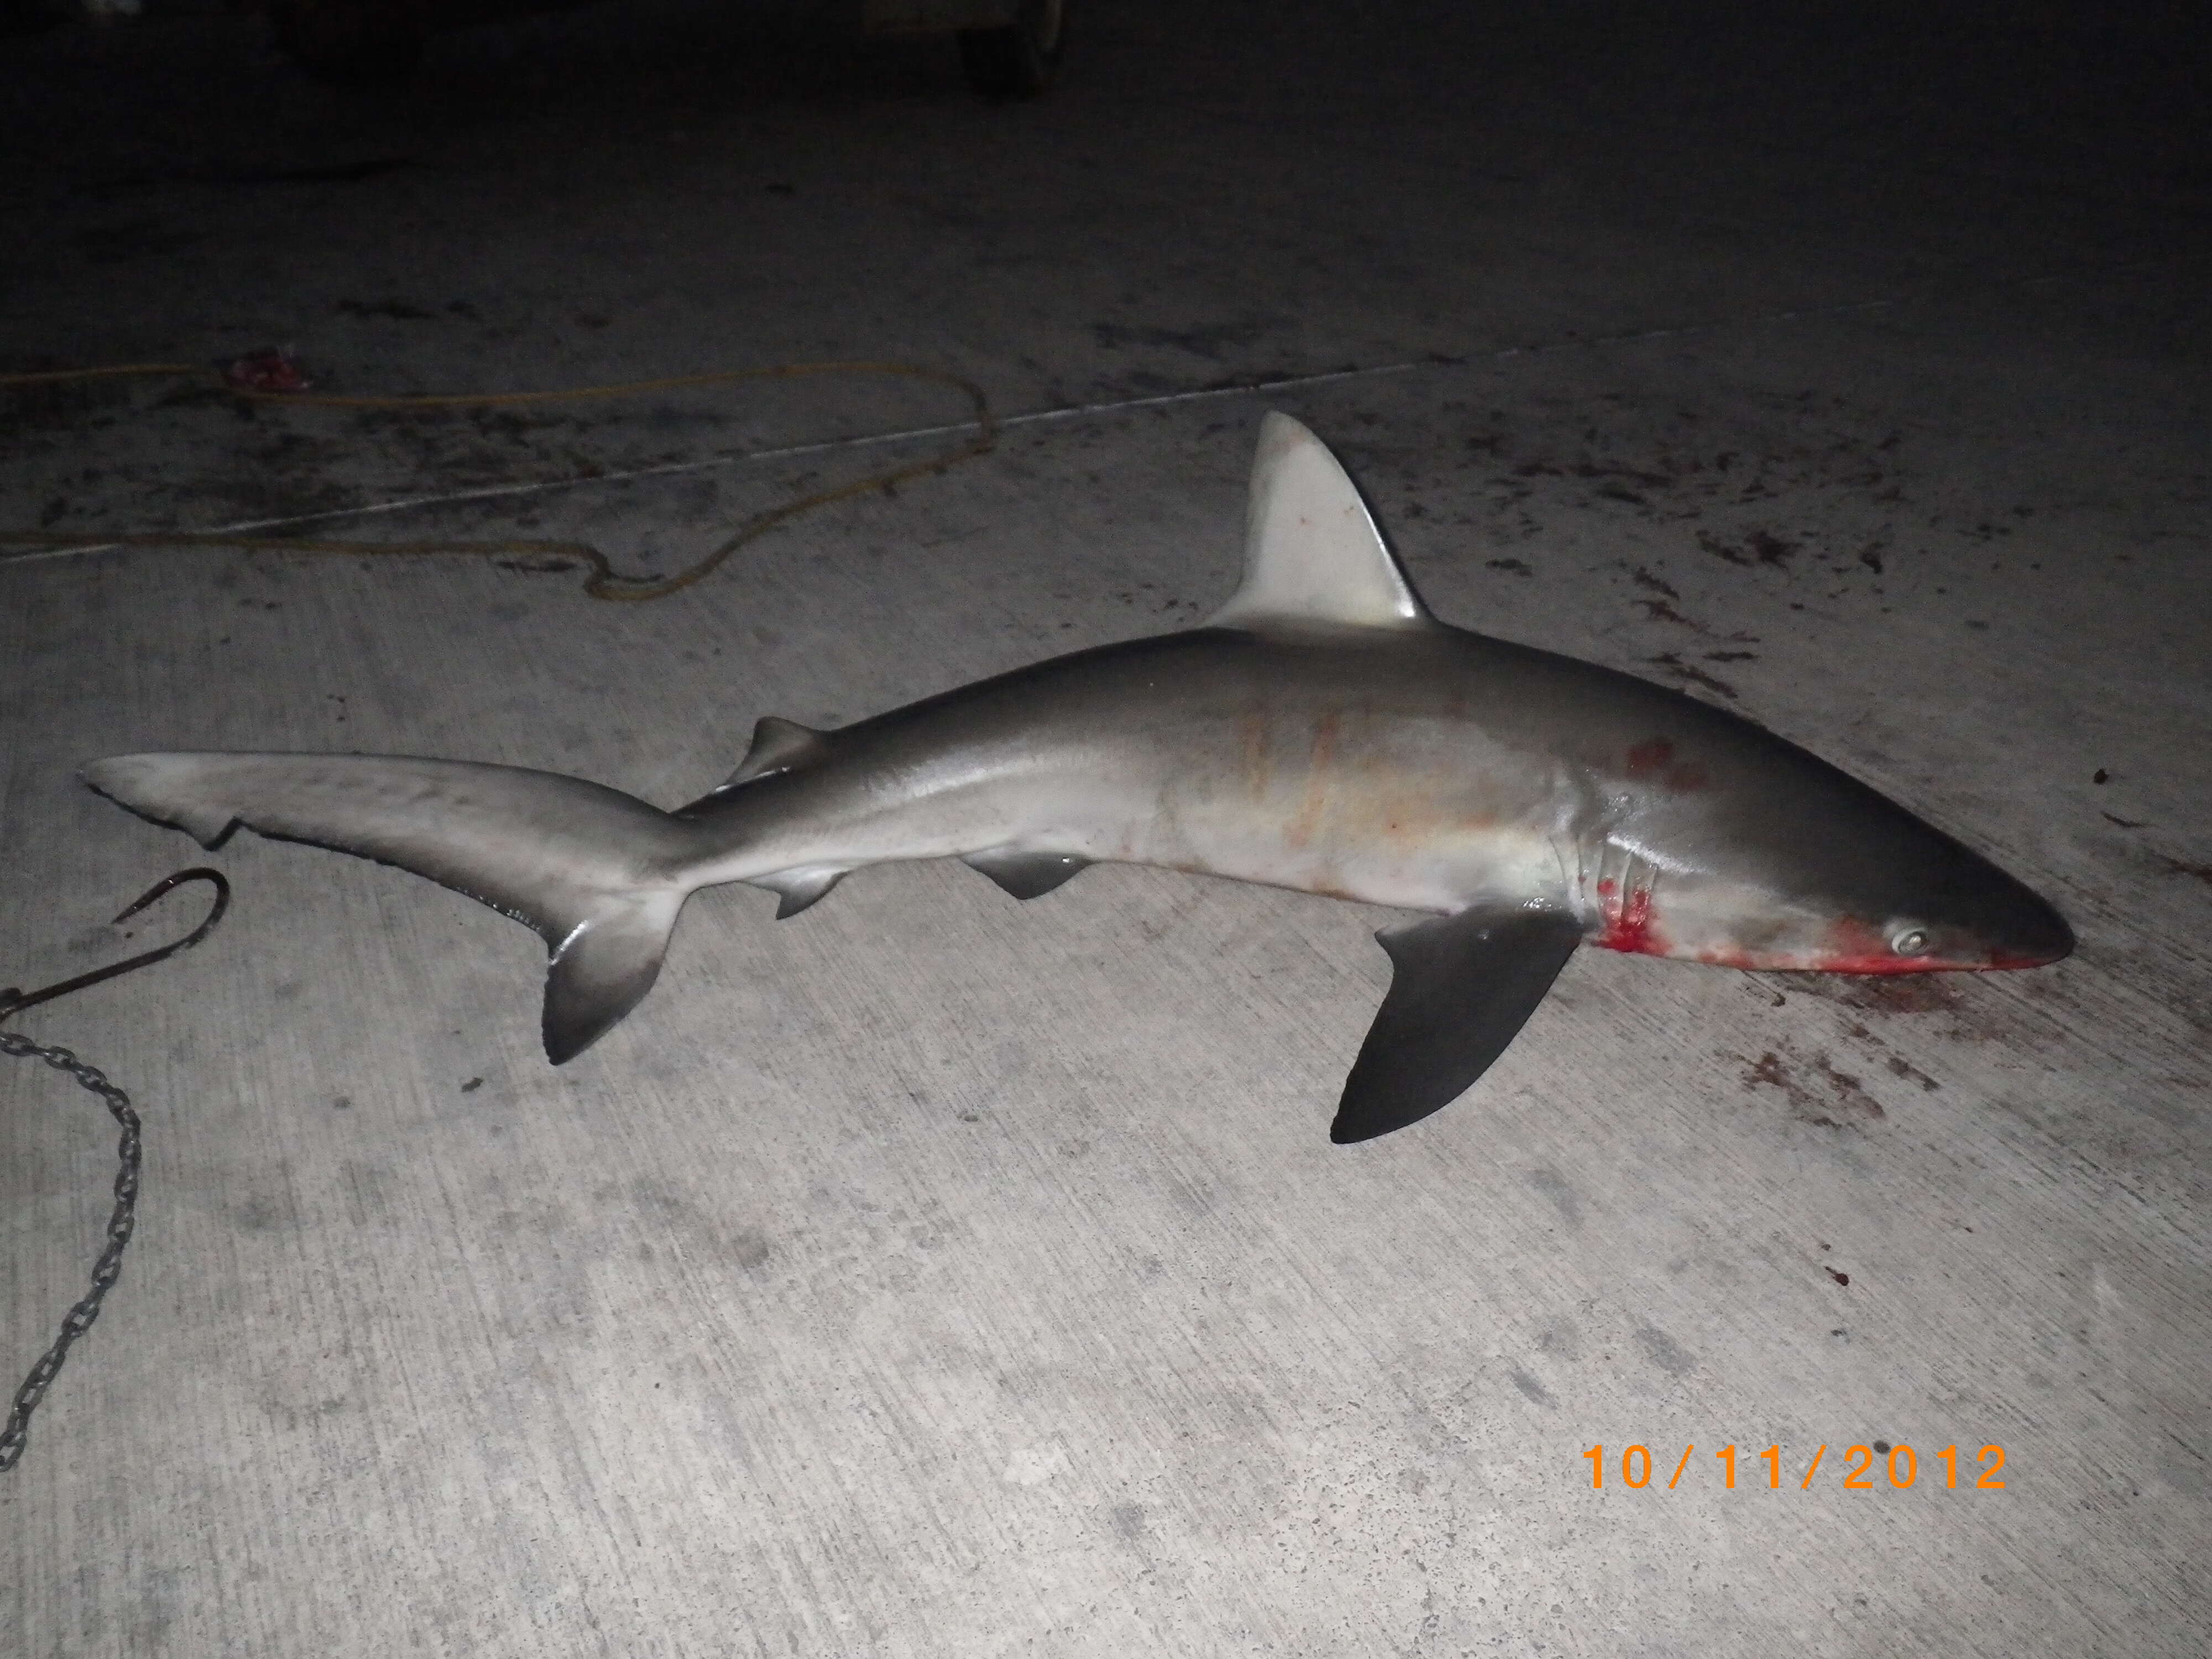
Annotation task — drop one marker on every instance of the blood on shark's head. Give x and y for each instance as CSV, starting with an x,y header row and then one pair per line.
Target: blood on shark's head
x,y
1784,863
1704,916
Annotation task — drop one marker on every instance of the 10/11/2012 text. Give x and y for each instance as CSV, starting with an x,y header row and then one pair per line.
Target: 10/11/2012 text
x,y
1901,1466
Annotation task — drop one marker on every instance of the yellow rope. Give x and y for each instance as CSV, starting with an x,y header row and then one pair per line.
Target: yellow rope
x,y
604,582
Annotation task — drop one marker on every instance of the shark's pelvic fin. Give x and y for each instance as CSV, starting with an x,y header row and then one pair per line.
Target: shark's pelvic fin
x,y
1312,553
778,745
1025,875
1462,986
598,873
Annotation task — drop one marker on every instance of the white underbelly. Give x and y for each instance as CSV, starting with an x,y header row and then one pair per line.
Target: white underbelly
x,y
1438,868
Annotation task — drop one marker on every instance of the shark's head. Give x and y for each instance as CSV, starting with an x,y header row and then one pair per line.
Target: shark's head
x,y
1777,861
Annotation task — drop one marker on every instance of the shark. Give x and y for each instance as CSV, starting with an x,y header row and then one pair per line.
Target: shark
x,y
1323,732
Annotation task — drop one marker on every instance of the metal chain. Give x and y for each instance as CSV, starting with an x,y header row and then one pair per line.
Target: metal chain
x,y
107,1269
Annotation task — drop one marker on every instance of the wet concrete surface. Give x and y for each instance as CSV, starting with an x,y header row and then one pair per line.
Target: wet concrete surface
x,y
932,1274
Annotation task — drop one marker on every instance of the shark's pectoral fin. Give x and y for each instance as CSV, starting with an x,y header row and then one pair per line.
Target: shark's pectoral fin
x,y
1025,875
602,968
1462,986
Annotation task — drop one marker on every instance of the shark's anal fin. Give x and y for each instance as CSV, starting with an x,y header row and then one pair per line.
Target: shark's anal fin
x,y
778,745
1462,986
1025,875
1312,553
798,888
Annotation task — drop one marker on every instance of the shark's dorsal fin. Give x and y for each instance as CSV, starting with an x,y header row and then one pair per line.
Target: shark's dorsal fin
x,y
1312,553
778,745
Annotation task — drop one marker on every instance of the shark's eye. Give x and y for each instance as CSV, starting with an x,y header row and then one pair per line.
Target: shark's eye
x,y
1909,941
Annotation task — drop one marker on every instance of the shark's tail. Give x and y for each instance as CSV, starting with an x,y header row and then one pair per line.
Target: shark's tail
x,y
599,874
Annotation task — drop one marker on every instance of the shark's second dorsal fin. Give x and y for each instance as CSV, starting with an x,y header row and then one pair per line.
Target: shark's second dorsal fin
x,y
778,745
1312,553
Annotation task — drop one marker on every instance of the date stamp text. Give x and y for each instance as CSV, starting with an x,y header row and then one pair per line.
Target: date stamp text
x,y
1860,1469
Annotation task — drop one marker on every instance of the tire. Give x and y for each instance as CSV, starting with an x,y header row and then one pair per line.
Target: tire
x,y
1020,60
350,42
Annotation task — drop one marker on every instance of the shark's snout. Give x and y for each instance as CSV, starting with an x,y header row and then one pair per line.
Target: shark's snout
x,y
1978,916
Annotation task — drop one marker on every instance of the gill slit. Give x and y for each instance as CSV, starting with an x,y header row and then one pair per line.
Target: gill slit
x,y
1616,888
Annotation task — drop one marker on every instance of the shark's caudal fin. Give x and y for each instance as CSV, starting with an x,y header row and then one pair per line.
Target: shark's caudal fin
x,y
1312,553
598,873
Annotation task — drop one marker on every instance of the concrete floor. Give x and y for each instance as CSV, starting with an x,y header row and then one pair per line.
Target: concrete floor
x,y
934,1275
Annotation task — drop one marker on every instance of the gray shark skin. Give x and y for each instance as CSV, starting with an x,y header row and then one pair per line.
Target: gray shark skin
x,y
1323,733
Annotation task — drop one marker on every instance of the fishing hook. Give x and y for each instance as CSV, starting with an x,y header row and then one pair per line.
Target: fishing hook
x,y
13,1001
